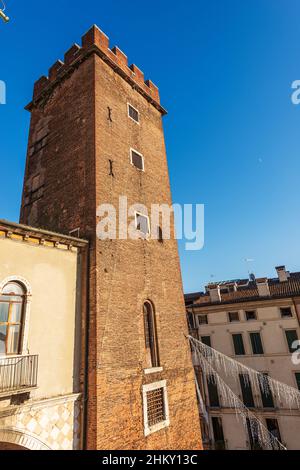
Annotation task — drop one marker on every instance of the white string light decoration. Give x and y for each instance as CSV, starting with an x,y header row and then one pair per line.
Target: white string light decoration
x,y
213,363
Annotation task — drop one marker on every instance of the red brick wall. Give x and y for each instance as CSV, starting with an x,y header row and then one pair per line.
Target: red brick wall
x,y
74,164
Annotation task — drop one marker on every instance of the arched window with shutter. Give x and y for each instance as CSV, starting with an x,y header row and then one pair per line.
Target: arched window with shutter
x,y
11,317
151,342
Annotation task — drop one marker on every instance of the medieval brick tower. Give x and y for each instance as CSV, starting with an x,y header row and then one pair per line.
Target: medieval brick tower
x,y
96,134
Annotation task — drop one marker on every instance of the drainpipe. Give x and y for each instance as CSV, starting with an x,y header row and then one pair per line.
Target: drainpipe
x,y
297,309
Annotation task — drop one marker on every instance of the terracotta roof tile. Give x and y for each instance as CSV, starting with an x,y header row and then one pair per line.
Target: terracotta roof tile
x,y
249,292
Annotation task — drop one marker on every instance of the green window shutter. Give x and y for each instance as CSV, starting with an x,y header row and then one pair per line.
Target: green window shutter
x,y
213,392
273,428
256,343
218,433
265,391
291,336
238,343
246,390
206,340
297,374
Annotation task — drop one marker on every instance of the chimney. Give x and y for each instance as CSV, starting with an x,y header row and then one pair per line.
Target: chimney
x,y
214,292
262,285
232,286
283,274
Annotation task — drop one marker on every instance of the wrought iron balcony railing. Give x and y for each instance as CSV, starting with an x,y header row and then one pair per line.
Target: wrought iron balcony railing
x,y
18,373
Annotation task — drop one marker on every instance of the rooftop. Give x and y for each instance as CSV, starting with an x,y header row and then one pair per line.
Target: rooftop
x,y
245,290
39,236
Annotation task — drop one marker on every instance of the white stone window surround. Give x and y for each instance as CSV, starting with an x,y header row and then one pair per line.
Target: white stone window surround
x,y
142,157
164,424
26,314
153,370
136,216
129,105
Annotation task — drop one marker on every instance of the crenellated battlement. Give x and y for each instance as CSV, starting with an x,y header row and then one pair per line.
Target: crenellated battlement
x,y
95,42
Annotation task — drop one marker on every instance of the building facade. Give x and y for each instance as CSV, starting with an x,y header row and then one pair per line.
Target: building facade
x,y
41,339
255,322
96,136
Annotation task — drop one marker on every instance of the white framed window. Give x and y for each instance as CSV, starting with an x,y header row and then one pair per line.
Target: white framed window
x,y
137,159
153,370
202,320
142,224
133,113
15,303
155,407
12,305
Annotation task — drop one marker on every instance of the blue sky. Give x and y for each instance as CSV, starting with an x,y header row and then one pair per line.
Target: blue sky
x,y
224,69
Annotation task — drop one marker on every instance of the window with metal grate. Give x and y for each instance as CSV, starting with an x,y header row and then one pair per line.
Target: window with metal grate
x,y
202,320
156,411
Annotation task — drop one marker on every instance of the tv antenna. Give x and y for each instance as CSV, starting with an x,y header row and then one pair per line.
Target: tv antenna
x,y
4,17
250,273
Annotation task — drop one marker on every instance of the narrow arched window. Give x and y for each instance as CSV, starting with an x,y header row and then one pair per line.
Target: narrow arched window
x,y
160,235
151,335
11,316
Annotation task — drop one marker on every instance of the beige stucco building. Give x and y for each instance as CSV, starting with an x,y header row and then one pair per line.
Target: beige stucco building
x,y
254,321
42,310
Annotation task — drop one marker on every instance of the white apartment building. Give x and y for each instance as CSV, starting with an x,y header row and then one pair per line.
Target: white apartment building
x,y
256,322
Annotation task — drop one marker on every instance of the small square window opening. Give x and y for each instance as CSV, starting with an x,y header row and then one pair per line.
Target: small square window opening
x,y
233,317
286,312
133,113
142,224
251,315
137,160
